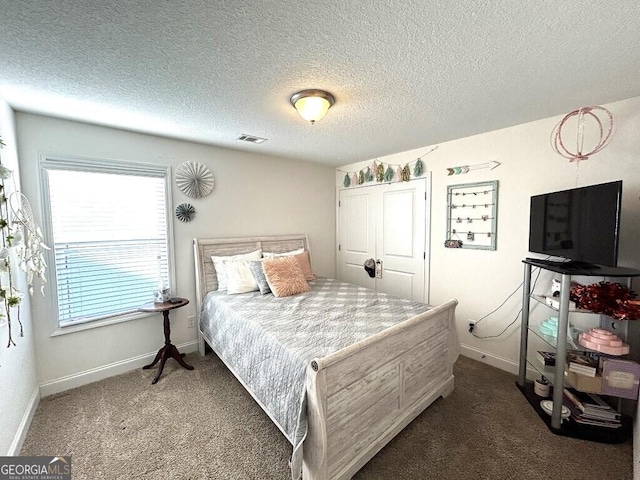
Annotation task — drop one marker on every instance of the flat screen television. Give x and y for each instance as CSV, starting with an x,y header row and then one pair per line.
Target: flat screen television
x,y
580,225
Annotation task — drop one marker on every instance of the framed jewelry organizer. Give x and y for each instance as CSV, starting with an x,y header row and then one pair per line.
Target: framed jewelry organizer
x,y
472,211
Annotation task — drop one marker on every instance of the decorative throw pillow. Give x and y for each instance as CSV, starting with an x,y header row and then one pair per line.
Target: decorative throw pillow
x,y
283,254
218,263
258,275
284,276
239,277
305,264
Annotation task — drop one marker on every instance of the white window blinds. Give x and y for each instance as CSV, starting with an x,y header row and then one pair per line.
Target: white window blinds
x,y
109,228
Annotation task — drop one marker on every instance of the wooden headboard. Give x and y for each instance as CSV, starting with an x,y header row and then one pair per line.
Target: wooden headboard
x,y
203,249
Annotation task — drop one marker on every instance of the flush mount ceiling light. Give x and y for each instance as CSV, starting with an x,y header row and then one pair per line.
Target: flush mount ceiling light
x,y
312,105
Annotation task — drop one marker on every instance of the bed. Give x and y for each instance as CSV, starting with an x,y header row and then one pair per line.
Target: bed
x,y
338,396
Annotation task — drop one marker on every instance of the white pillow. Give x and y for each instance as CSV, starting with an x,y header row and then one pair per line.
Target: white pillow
x,y
284,254
239,277
218,263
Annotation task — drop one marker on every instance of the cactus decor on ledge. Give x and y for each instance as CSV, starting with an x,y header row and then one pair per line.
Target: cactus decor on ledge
x,y
22,247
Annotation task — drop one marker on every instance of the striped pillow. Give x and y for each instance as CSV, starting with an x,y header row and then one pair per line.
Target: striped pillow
x,y
284,276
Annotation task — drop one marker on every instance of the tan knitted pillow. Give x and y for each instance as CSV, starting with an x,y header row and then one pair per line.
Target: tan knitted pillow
x,y
284,276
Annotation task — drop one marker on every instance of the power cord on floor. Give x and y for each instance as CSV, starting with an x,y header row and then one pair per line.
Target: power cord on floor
x,y
473,325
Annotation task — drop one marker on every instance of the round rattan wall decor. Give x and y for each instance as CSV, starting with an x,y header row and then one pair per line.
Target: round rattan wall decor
x,y
194,179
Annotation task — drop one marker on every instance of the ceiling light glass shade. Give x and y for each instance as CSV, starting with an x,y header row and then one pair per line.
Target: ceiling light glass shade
x,y
312,105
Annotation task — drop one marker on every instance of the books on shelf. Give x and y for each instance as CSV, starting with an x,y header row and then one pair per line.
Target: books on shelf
x,y
596,423
583,364
591,409
548,359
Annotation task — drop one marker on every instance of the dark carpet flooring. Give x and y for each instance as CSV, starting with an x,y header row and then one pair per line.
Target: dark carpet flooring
x,y
202,424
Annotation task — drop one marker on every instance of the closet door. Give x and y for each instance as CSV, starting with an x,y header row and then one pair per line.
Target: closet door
x,y
386,222
357,235
400,239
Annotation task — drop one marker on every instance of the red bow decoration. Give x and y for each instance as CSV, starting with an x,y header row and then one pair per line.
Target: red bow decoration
x,y
607,298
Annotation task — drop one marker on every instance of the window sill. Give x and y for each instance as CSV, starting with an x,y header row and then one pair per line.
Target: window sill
x,y
79,327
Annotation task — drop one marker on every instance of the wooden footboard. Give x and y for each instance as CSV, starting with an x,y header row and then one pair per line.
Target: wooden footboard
x,y
360,397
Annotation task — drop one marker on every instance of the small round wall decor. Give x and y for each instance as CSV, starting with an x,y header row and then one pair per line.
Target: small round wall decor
x,y
185,212
194,179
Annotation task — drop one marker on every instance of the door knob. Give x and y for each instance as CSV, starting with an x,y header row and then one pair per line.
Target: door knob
x,y
370,267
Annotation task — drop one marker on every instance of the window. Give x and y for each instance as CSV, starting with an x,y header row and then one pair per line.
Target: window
x,y
109,226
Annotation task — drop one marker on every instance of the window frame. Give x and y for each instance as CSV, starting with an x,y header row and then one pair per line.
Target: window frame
x,y
51,161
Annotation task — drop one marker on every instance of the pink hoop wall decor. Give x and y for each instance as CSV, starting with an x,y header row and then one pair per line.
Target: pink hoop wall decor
x,y
604,124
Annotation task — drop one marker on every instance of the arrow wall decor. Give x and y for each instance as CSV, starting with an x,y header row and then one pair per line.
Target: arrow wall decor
x,y
467,168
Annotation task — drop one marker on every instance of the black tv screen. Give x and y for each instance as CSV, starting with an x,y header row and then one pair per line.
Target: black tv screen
x,y
580,225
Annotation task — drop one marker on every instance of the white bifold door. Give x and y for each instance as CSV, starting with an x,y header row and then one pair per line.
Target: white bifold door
x,y
387,223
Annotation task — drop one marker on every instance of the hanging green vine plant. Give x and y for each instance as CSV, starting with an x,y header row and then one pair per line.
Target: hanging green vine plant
x,y
22,245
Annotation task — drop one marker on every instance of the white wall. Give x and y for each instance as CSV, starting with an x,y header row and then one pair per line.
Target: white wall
x,y
19,392
254,194
481,280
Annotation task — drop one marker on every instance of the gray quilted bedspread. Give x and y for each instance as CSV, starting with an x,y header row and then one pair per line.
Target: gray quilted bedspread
x,y
268,342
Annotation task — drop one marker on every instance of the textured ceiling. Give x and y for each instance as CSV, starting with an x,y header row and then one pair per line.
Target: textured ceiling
x,y
405,74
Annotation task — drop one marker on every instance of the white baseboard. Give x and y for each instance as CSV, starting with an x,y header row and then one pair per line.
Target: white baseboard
x,y
489,358
93,375
21,434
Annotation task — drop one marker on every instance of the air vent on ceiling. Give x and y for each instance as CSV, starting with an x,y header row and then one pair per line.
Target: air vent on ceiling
x,y
251,138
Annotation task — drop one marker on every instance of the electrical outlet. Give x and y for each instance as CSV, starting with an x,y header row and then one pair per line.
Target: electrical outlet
x,y
472,325
192,321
